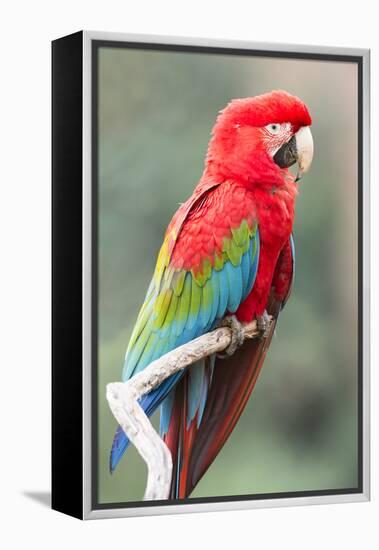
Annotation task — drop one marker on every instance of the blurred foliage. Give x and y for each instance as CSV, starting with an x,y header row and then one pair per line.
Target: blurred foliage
x,y
156,110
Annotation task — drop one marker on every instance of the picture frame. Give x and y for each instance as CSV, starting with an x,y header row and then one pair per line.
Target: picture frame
x,y
76,209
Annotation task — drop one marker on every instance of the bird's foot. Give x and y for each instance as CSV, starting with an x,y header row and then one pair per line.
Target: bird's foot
x,y
264,324
237,338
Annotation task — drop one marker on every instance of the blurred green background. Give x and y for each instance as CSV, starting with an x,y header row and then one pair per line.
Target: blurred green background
x,y
156,110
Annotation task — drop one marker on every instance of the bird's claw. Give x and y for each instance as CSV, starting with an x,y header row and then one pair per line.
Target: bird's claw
x,y
237,338
264,324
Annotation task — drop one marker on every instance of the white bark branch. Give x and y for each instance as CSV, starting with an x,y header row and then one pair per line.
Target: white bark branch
x,y
123,401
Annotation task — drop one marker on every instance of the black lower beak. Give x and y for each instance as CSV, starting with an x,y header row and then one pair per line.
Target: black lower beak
x,y
286,156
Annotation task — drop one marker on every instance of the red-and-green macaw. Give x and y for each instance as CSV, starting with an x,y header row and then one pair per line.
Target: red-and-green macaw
x,y
228,251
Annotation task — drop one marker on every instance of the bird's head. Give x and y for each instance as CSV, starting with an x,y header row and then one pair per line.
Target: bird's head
x,y
256,139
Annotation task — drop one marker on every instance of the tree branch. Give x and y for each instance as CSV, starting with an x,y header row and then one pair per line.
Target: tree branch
x,y
123,401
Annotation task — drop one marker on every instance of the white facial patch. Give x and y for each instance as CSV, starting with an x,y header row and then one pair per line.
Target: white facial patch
x,y
275,134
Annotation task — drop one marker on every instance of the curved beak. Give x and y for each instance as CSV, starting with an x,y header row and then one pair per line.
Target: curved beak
x,y
298,149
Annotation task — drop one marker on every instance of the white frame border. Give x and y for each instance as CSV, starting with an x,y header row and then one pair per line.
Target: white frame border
x,y
88,512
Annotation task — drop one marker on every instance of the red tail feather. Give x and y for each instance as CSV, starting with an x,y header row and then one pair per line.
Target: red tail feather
x,y
233,381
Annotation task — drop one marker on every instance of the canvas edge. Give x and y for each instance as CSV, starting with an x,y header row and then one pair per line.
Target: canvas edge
x,y
366,284
66,291
88,512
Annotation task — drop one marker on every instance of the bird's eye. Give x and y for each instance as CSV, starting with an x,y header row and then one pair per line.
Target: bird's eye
x,y
273,128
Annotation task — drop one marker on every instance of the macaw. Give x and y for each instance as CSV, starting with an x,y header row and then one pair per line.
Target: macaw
x,y
227,255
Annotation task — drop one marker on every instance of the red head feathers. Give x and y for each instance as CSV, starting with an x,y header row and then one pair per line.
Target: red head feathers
x,y
249,131
277,106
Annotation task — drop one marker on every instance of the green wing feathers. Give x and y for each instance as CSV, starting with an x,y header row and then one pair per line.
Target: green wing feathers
x,y
182,304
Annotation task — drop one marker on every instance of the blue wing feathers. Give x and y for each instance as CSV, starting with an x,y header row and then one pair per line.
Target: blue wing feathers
x,y
196,375
223,291
223,295
254,260
234,275
245,269
166,410
214,281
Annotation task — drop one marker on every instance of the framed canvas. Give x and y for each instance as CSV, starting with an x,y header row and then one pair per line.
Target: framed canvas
x,y
196,364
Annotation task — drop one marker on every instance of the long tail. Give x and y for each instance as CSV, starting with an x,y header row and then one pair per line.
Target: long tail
x,y
195,445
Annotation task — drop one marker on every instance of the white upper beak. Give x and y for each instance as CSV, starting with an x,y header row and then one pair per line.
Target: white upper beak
x,y
304,147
